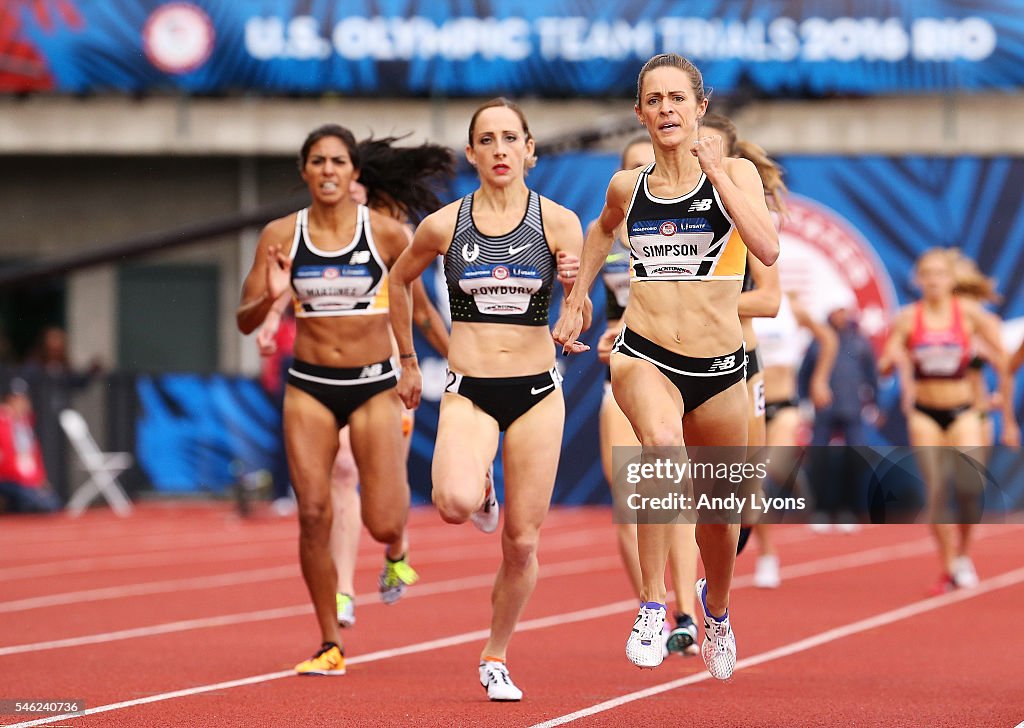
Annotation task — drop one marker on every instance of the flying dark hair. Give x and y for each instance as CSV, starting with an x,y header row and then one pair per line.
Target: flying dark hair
x,y
404,178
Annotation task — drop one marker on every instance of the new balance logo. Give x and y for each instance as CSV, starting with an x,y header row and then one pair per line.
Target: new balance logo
x,y
701,205
374,370
359,257
723,363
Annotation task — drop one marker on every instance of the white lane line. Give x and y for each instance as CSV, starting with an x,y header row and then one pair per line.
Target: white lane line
x,y
152,587
237,543
458,639
564,568
220,524
562,542
1002,581
793,571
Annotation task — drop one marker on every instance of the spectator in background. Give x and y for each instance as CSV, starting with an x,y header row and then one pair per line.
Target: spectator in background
x,y
50,356
23,484
854,381
53,383
839,478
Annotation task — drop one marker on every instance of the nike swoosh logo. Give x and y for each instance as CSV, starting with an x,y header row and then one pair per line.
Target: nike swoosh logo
x,y
534,390
513,250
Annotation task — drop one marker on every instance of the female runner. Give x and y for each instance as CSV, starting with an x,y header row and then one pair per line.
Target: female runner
x,y
678,365
500,245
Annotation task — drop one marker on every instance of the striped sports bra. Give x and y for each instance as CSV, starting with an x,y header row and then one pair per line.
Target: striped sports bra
x,y
504,279
347,282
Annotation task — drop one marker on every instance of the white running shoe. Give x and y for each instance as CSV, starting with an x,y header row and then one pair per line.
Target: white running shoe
x,y
719,647
498,683
486,518
646,646
766,573
964,575
346,607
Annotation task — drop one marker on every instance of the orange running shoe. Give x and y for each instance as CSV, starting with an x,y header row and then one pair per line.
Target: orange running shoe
x,y
330,660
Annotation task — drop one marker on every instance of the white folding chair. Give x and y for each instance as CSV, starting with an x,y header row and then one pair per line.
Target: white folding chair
x,y
102,468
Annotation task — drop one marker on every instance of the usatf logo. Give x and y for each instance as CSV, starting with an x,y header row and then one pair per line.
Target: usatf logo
x,y
470,254
700,205
359,257
668,228
330,273
500,273
723,364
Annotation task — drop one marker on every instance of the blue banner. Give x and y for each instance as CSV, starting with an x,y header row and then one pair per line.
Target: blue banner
x,y
552,48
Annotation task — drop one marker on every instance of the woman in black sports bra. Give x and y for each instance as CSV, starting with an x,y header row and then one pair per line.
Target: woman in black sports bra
x,y
679,363
335,256
501,246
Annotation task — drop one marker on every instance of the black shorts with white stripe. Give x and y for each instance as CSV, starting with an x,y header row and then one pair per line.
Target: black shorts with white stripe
x,y
342,390
698,379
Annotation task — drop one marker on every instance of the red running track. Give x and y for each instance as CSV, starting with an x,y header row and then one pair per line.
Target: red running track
x,y
187,616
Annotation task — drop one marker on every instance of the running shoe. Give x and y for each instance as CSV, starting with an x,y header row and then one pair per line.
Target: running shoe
x,y
944,585
766,573
346,609
486,518
645,646
964,574
329,660
394,577
683,639
719,646
498,683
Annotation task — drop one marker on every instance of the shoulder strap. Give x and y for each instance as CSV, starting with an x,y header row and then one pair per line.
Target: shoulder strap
x,y
300,226
465,218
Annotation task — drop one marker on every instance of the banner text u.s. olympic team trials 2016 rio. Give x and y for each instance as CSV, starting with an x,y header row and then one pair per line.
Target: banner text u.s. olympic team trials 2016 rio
x,y
543,47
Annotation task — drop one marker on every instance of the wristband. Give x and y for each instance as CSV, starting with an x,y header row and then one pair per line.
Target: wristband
x,y
407,356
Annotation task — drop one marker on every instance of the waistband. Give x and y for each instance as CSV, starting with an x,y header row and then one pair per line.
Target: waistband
x,y
343,376
712,366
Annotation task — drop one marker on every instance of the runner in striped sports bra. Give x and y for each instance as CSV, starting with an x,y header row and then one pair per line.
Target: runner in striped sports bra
x,y
615,431
930,344
335,256
501,246
678,365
